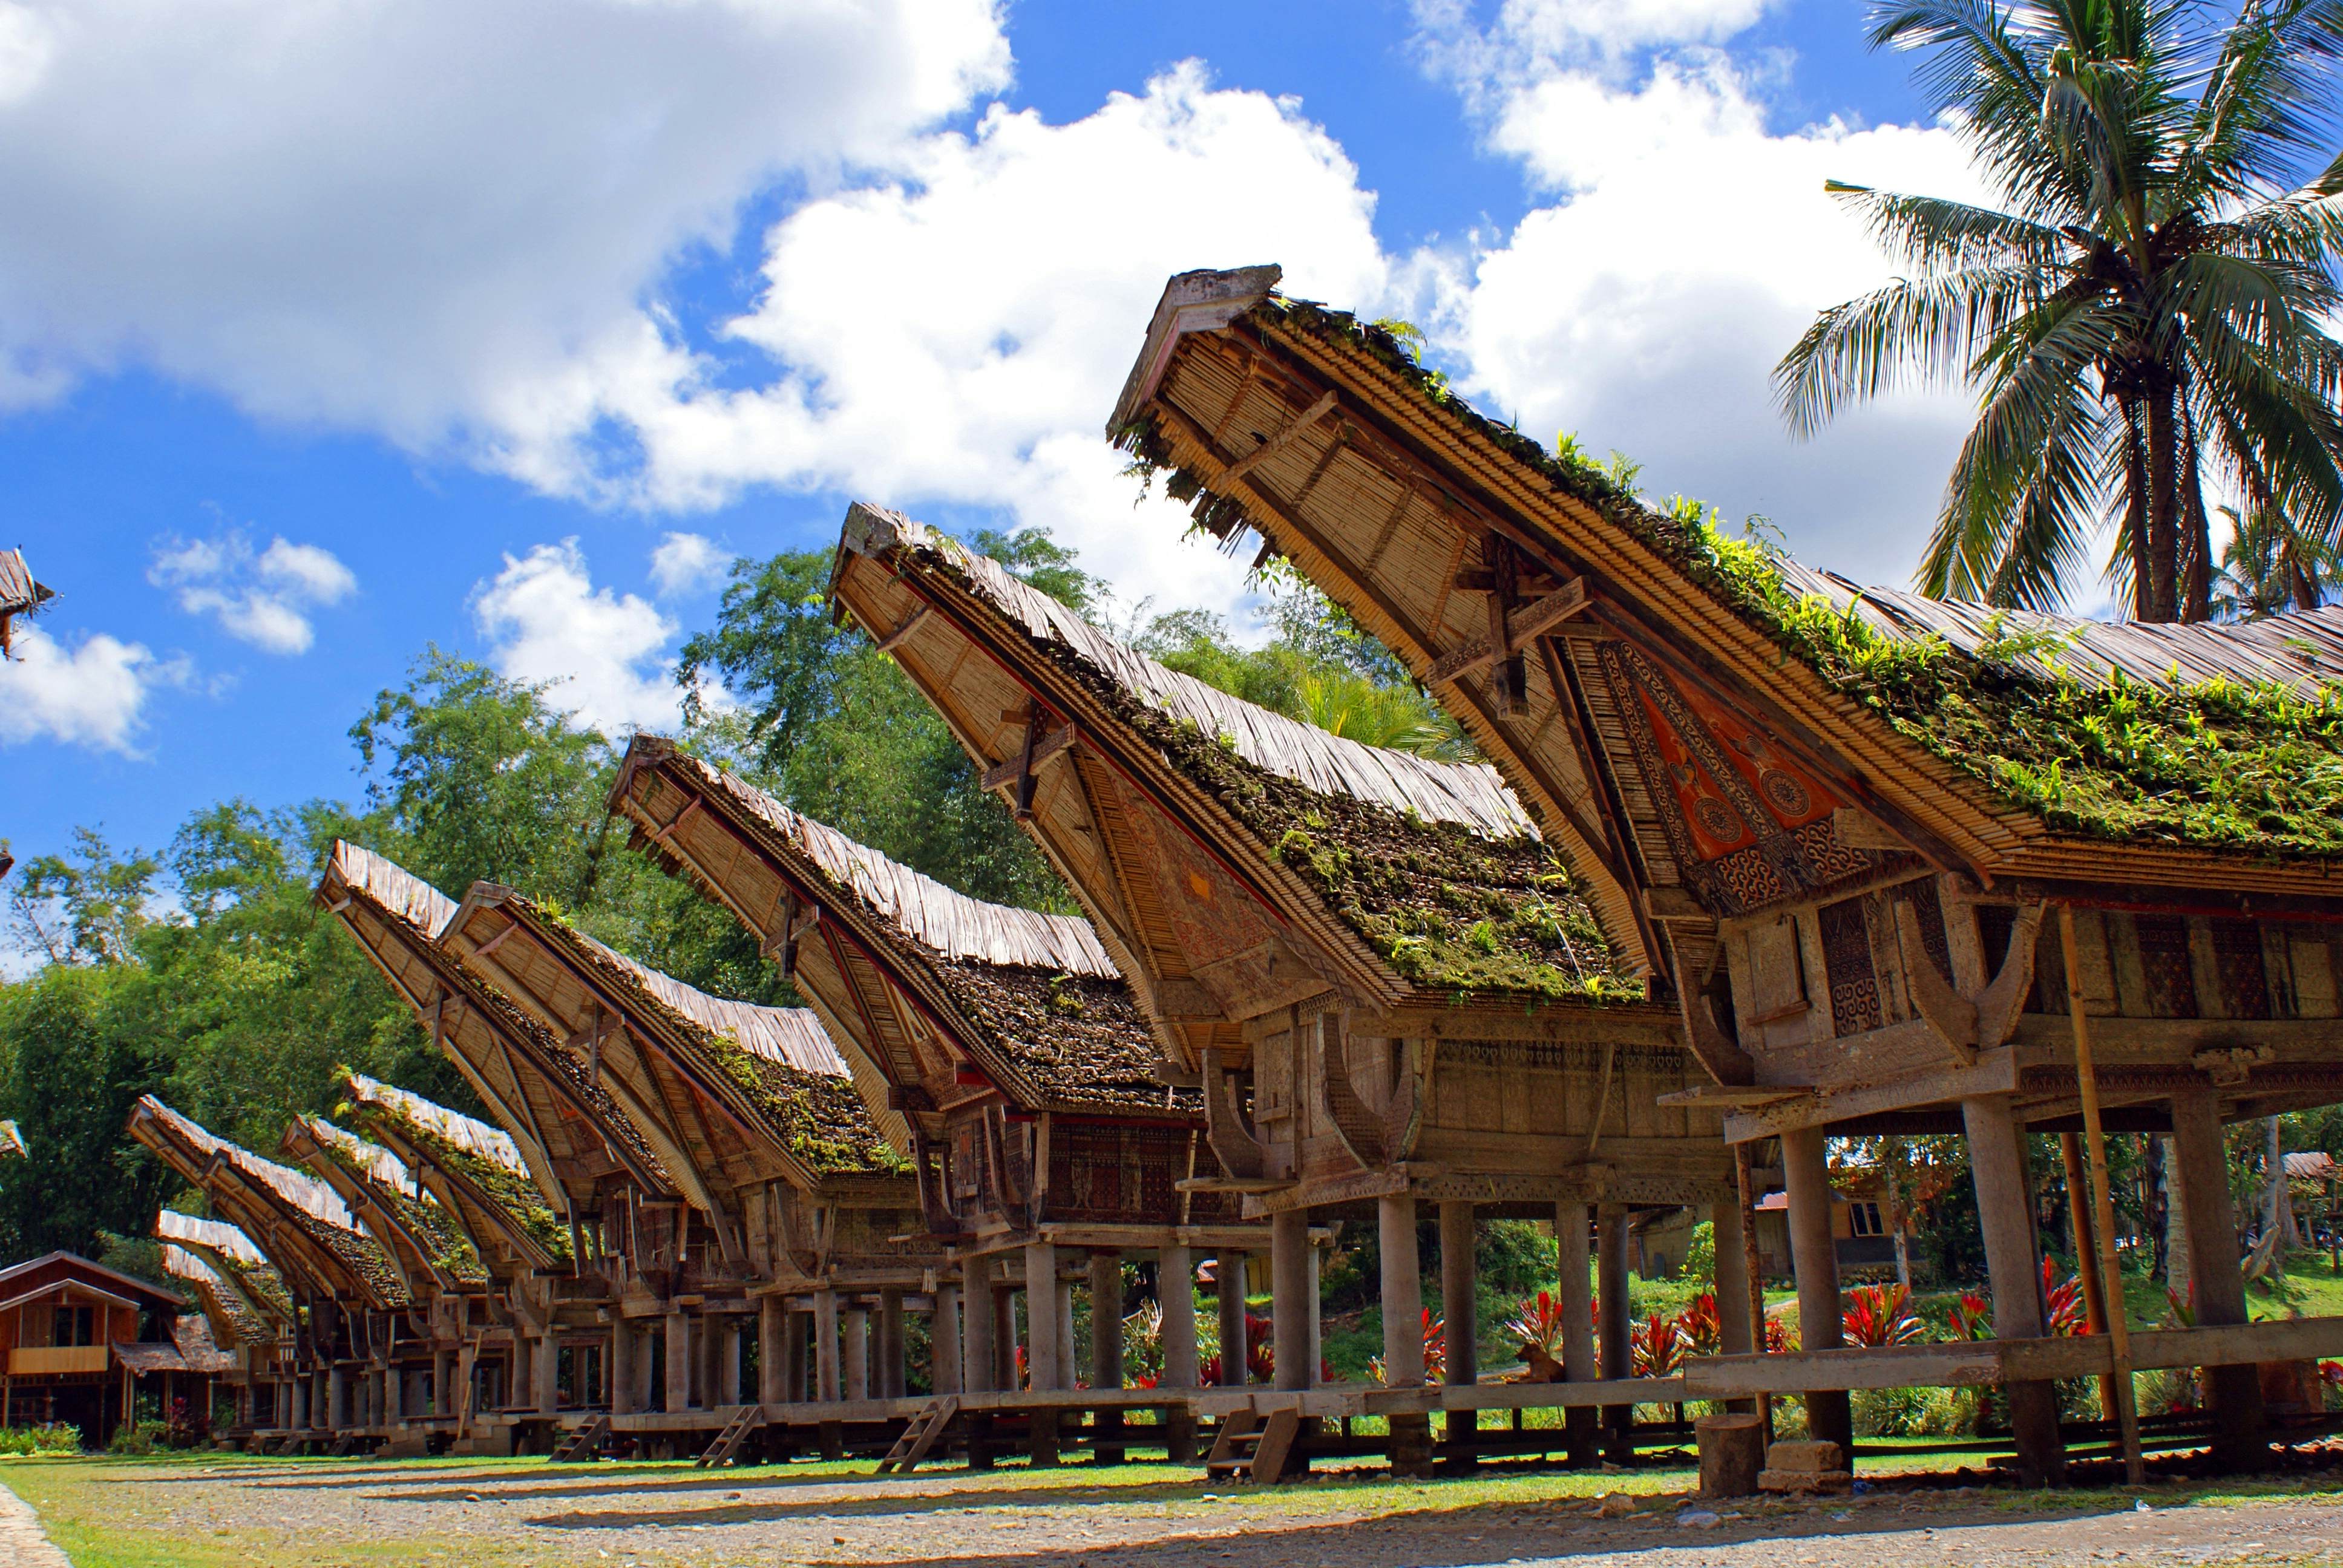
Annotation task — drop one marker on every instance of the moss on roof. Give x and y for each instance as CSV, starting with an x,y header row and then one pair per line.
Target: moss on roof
x,y
434,1229
2255,768
515,1195
1450,909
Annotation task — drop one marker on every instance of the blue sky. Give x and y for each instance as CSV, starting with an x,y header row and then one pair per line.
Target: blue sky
x,y
405,329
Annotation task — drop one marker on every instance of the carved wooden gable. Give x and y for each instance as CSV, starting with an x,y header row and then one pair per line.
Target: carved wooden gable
x,y
1746,826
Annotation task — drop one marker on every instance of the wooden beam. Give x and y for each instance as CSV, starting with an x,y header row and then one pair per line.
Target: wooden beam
x,y
1003,774
903,628
1302,423
1521,626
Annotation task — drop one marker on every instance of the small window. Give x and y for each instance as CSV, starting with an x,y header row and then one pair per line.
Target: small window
x,y
75,1326
1864,1218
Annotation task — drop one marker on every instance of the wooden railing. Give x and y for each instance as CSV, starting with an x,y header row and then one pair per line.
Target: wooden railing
x,y
54,1360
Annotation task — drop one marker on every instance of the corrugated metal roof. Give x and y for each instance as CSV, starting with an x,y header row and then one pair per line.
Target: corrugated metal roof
x,y
1468,793
2303,650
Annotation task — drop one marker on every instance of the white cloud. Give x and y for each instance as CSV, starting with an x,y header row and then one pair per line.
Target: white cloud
x,y
603,654
683,562
959,336
388,214
1684,248
93,696
261,598
1530,39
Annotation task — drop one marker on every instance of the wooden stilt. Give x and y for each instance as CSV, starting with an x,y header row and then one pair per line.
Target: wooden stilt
x,y
2006,1214
977,1356
772,1350
679,1362
622,1367
858,1353
2202,1168
1402,1310
1175,1293
1231,1290
1744,1184
828,1385
1575,1296
2110,1268
1618,1320
1459,1333
944,1364
1290,1284
1821,1324
1106,1352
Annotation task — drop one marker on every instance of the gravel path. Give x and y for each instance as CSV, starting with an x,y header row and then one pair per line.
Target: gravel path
x,y
22,1544
675,1518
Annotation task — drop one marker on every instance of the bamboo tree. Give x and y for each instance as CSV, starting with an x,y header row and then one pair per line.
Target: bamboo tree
x,y
2143,310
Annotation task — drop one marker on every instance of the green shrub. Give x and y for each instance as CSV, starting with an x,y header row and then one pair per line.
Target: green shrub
x,y
50,1437
1700,1257
136,1440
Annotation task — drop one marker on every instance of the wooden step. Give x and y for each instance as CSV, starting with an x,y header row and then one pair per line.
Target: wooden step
x,y
918,1436
744,1420
583,1445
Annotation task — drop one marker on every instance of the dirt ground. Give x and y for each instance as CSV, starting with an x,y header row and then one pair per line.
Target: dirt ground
x,y
331,1513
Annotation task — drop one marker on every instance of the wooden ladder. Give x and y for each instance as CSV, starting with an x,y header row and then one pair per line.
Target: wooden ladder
x,y
744,1420
583,1445
919,1436
1250,1447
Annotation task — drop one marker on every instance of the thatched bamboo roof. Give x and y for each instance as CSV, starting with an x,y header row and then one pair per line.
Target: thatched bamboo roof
x,y
231,1255
789,1107
2011,745
413,1222
221,1300
12,1143
557,1119
1420,877
1029,999
299,1221
484,1166
19,594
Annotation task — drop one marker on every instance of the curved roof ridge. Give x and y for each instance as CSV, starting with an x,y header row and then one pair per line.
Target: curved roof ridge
x,y
471,1136
944,920
792,1036
221,1237
1470,794
376,1160
400,890
304,1191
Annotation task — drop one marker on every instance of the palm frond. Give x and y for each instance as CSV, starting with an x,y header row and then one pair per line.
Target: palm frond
x,y
1912,331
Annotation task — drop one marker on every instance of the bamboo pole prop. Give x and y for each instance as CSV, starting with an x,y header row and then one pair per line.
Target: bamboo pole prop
x,y
2085,1228
2095,1139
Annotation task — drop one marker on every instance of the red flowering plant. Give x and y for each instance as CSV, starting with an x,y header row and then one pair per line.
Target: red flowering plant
x,y
1699,1328
1882,1315
1658,1346
2069,1316
1435,1353
1970,1318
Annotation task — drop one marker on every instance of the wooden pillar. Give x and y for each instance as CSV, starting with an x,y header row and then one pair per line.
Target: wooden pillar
x,y
1042,1315
944,1365
1230,1290
1289,1286
622,1367
726,1388
796,1344
678,1361
828,1385
547,1378
1618,1321
1317,1309
772,1350
1004,1335
1822,1323
1175,1293
858,1352
443,1382
2014,1266
1106,1351
1736,1325
2200,1173
1574,1299
890,1345
1065,1332
337,1398
1402,1294
978,1359
1460,1334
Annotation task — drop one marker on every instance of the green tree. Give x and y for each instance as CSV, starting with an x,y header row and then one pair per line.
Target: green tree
x,y
76,1049
2270,564
2145,309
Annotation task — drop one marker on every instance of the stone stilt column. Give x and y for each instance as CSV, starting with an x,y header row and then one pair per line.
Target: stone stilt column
x,y
828,1386
890,1345
797,1341
1574,1299
1231,1290
943,1340
1821,1326
1618,1321
727,1363
1106,1351
1460,1328
977,1357
858,1352
1041,1314
679,1362
1401,1297
772,1350
2200,1176
622,1367
1290,1288
2006,1213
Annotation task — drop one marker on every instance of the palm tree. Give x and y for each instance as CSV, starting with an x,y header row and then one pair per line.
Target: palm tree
x,y
2140,312
2270,564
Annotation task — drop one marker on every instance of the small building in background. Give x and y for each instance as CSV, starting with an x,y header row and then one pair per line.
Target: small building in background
x,y
1860,1232
83,1342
